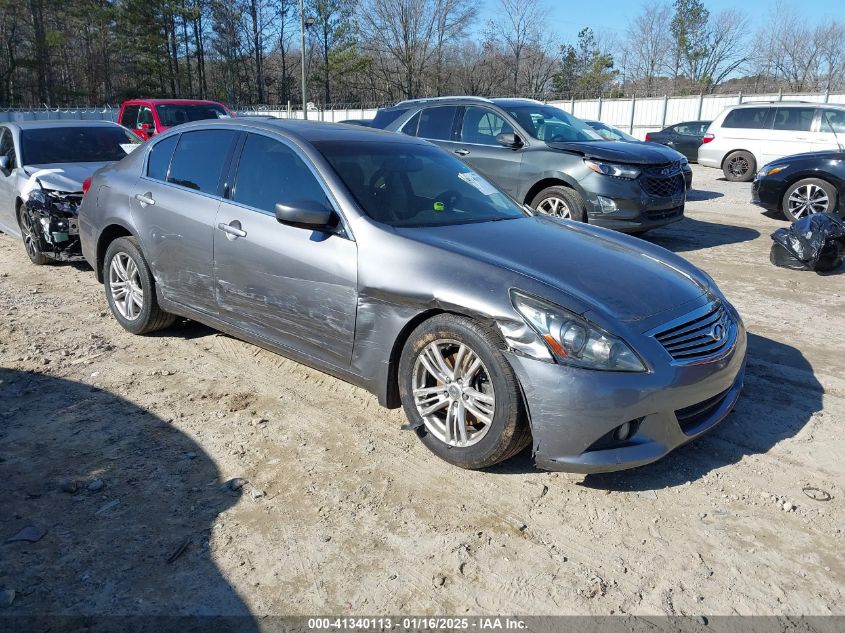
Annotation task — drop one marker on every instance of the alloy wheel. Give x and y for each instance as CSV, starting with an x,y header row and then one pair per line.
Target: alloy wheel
x,y
125,285
738,166
453,393
807,199
556,207
30,240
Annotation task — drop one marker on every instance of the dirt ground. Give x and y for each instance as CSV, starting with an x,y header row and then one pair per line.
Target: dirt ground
x,y
191,473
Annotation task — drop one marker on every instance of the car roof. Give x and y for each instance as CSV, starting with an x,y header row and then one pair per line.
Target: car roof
x,y
513,101
34,125
306,131
172,101
787,104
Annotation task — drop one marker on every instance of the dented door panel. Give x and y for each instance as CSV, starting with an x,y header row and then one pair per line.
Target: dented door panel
x,y
294,287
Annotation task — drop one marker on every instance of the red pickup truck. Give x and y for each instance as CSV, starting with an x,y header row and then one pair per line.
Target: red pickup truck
x,y
147,117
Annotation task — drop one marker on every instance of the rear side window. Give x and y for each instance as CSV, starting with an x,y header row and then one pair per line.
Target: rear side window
x,y
436,123
750,118
833,121
159,158
385,117
269,172
130,116
199,159
794,119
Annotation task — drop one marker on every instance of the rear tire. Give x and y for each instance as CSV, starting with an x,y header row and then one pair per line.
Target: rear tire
x,y
560,202
474,414
130,288
808,196
739,166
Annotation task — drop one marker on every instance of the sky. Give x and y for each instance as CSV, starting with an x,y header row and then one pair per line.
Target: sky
x,y
567,17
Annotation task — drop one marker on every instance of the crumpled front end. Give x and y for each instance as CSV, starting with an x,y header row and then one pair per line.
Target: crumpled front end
x,y
55,223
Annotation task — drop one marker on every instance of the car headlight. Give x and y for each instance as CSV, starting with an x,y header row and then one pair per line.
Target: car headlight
x,y
768,170
38,195
573,340
612,169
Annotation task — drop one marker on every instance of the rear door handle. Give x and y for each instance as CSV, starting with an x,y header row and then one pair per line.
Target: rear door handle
x,y
232,230
462,152
146,199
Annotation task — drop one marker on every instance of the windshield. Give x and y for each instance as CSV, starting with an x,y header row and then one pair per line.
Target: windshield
x,y
171,114
612,133
410,185
550,124
75,145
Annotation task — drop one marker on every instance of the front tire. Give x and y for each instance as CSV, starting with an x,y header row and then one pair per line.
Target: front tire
x,y
739,166
130,288
560,202
31,236
461,394
806,197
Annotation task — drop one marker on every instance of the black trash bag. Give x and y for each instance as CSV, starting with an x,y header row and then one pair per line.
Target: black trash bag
x,y
815,242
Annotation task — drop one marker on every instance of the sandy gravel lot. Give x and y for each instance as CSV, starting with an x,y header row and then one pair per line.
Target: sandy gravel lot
x,y
123,449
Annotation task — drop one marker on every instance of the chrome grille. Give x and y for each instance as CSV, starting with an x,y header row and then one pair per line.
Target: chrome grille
x,y
699,335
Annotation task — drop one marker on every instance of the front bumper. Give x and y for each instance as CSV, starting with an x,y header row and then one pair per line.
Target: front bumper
x,y
573,409
636,210
767,193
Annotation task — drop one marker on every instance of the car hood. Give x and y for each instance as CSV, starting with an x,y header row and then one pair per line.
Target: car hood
x,y
623,277
825,155
631,153
63,176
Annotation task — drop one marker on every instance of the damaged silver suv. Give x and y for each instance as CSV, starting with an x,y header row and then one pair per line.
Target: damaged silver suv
x,y
43,166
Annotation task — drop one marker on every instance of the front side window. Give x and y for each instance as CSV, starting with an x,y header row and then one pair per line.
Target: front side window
x,y
794,119
199,159
481,126
83,144
129,118
551,124
159,158
436,123
750,118
411,185
175,114
833,121
270,172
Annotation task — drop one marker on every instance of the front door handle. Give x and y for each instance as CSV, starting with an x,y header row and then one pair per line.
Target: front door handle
x,y
234,229
462,152
146,199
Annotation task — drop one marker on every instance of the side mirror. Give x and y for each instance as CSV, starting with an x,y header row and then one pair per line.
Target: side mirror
x,y
306,214
509,139
147,128
5,163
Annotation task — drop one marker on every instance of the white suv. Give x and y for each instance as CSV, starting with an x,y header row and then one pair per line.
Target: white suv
x,y
745,137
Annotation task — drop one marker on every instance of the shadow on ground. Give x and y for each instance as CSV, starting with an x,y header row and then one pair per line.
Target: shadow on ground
x,y
781,395
697,195
138,546
690,235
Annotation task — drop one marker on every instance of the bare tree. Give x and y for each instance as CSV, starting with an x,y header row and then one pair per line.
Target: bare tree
x,y
523,20
648,45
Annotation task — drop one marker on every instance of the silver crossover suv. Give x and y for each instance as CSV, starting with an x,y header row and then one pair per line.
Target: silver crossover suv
x,y
389,263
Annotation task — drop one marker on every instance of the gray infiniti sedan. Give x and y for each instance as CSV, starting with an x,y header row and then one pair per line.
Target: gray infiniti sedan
x,y
387,262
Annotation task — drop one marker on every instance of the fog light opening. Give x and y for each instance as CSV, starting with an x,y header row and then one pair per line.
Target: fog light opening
x,y
607,204
626,431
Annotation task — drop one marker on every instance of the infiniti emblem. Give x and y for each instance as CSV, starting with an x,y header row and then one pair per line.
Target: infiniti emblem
x,y
718,332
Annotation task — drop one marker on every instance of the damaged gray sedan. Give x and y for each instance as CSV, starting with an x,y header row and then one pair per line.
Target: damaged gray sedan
x,y
385,261
43,165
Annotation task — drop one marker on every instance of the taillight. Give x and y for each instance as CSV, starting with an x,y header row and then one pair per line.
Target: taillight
x,y
86,185
707,138
648,137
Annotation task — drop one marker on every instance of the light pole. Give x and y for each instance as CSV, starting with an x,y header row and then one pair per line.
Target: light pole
x,y
303,24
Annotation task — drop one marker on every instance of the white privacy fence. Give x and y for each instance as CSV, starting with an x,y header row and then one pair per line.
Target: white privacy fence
x,y
636,116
